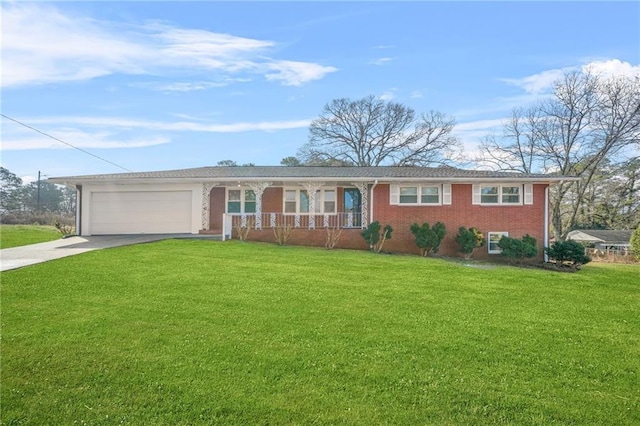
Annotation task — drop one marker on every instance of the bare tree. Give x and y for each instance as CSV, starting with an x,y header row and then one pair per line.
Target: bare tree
x,y
587,121
517,149
374,132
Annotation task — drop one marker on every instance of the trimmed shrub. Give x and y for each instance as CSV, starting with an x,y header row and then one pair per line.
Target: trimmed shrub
x,y
568,253
428,238
468,240
333,236
282,232
375,237
635,244
65,229
516,250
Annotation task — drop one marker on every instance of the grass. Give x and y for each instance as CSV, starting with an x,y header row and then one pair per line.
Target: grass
x,y
201,332
22,235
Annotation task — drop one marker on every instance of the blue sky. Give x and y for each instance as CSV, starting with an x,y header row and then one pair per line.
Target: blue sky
x,y
168,85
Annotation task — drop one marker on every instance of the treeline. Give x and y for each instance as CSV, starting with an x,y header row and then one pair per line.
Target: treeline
x,y
37,202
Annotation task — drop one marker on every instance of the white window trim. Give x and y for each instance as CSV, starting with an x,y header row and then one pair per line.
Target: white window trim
x,y
243,193
526,194
444,194
501,233
320,200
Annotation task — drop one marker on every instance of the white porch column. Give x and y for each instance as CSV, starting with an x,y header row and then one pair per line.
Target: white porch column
x,y
206,198
363,187
311,188
258,189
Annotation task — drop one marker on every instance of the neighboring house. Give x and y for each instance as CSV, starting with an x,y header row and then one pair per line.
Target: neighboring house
x,y
603,240
215,200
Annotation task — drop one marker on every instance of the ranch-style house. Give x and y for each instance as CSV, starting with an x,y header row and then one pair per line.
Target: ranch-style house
x,y
221,200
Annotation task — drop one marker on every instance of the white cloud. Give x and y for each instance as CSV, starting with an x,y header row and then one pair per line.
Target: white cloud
x,y
614,67
79,138
543,82
479,125
537,83
472,132
180,86
416,94
381,61
115,132
292,73
387,96
126,124
62,47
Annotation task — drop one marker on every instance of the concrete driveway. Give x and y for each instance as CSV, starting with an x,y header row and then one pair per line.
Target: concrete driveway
x,y
17,257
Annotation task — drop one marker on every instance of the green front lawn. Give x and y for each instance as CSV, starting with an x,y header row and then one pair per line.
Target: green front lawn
x,y
202,332
22,235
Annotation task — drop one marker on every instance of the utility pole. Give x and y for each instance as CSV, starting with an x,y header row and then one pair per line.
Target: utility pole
x,y
38,200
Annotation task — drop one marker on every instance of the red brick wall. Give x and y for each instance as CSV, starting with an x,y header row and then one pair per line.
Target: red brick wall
x,y
349,239
517,220
272,200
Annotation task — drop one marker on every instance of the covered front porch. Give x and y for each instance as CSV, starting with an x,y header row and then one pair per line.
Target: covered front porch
x,y
299,205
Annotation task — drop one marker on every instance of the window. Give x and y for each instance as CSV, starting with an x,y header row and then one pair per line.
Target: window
x,y
297,201
234,201
329,201
500,194
241,201
428,194
489,194
249,201
408,195
290,201
494,238
510,195
304,202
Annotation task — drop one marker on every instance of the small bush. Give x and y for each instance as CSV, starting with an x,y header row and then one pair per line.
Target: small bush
x,y
243,231
376,238
516,249
333,236
65,229
635,244
568,253
468,240
428,238
282,232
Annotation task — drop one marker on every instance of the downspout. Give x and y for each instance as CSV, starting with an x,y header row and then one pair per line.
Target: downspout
x,y
546,222
78,210
371,201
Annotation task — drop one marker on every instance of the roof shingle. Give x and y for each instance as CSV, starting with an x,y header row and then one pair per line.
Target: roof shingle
x,y
307,172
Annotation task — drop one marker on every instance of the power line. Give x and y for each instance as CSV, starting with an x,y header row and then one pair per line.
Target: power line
x,y
66,143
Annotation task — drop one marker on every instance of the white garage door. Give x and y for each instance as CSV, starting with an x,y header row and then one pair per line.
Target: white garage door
x,y
137,212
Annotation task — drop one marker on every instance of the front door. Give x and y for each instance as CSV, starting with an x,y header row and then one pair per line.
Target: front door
x,y
352,208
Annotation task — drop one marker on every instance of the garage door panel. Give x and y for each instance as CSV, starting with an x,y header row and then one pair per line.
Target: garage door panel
x,y
137,212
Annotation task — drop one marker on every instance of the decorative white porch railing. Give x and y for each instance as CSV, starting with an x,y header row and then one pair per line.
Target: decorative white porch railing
x,y
303,220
